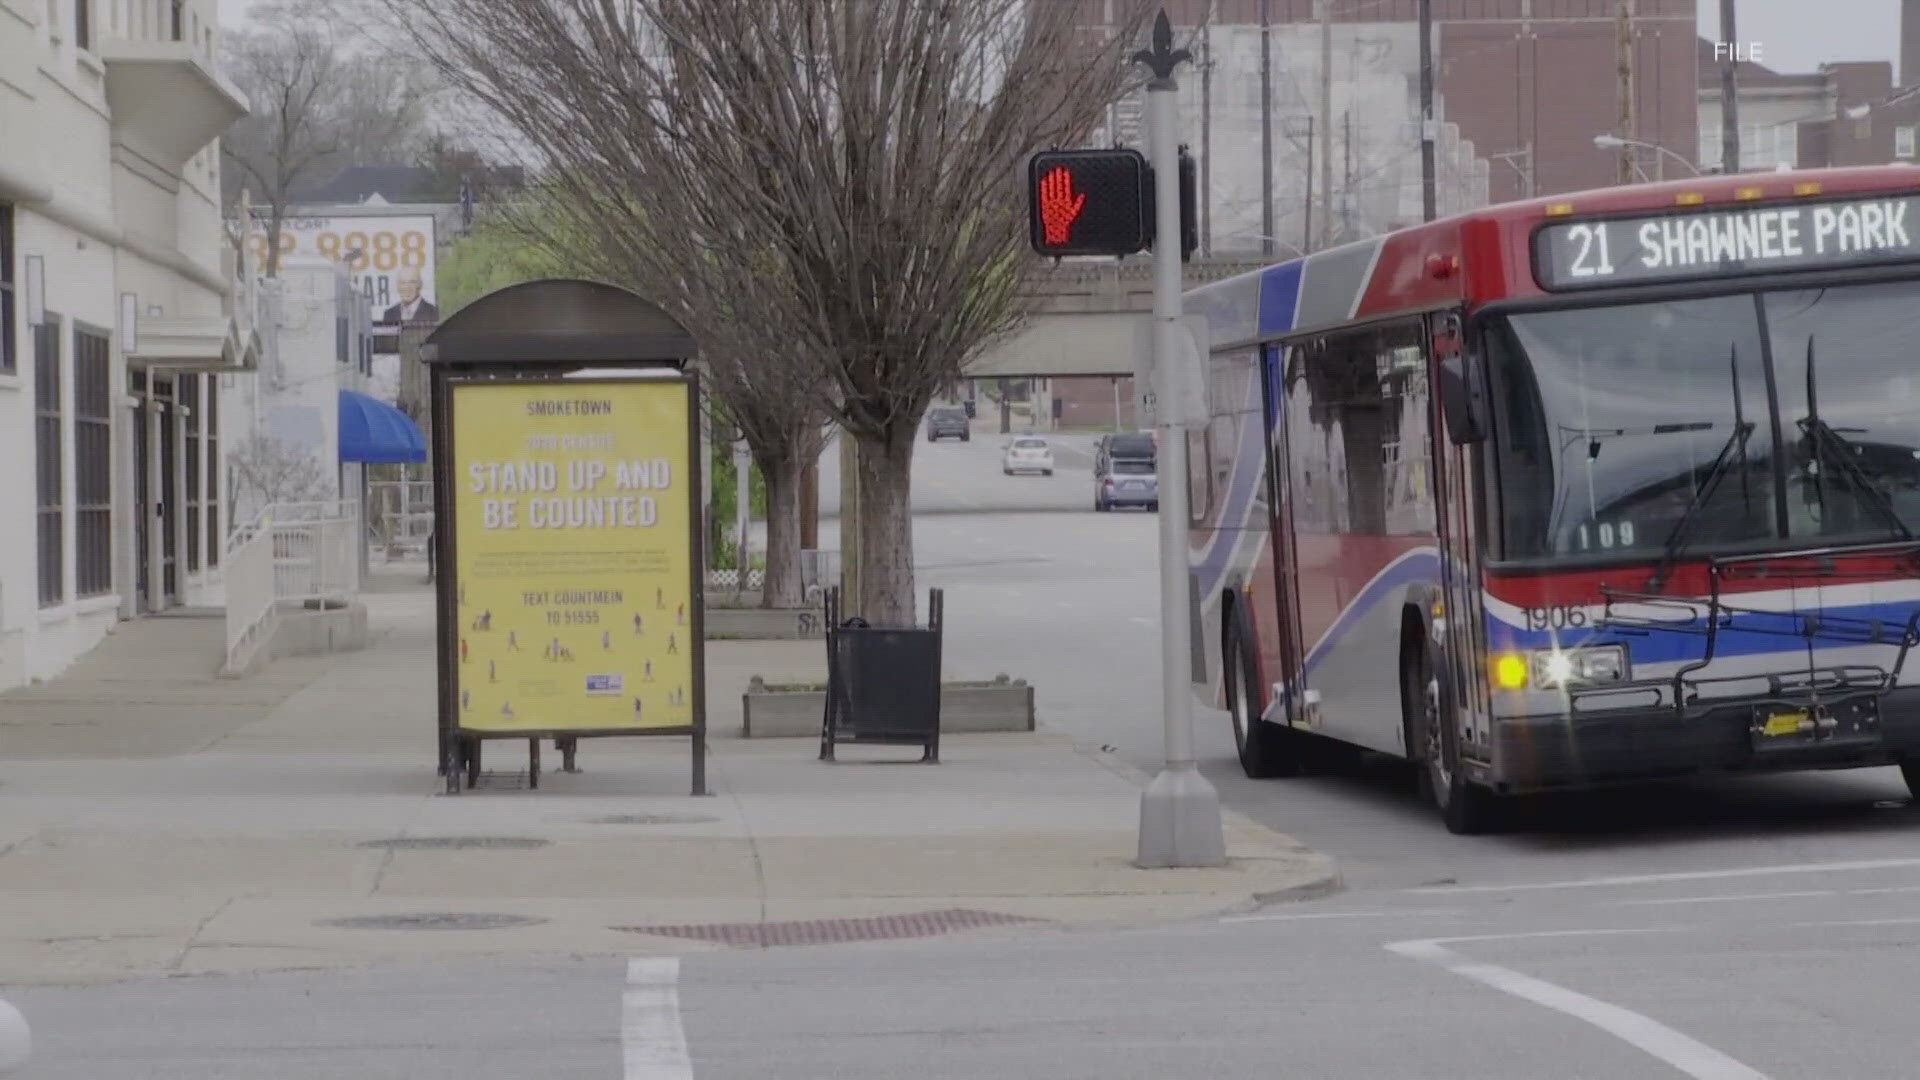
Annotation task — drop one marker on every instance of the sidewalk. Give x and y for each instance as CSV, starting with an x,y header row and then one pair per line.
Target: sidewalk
x,y
246,849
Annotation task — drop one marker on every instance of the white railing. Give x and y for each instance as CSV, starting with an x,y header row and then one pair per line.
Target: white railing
x,y
316,551
292,553
399,518
249,582
730,579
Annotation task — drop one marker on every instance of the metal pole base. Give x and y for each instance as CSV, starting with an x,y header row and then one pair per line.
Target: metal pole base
x,y
1180,821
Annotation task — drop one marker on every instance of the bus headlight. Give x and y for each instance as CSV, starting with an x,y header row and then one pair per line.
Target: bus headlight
x,y
1553,668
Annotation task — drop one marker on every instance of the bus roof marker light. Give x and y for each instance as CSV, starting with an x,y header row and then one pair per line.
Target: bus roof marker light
x,y
1747,193
1559,209
1441,265
1807,187
1689,198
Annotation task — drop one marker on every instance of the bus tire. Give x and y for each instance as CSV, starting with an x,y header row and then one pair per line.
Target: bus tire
x,y
1266,750
1910,772
1466,808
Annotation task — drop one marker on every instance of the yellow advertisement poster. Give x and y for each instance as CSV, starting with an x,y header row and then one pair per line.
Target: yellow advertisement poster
x,y
573,512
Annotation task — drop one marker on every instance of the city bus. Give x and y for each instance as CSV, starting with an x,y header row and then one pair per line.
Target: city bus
x,y
1597,488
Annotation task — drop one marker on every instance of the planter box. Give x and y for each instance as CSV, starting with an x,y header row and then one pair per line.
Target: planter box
x,y
764,623
772,712
727,598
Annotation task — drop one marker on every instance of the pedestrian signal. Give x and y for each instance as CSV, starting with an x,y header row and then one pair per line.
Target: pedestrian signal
x,y
1090,202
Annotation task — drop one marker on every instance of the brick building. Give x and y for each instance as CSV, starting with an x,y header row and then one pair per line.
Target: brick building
x,y
1851,113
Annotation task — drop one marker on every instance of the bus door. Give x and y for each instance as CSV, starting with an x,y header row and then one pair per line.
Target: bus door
x,y
1456,488
1285,621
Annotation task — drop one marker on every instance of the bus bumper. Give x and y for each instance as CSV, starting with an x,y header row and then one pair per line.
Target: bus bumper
x,y
1537,753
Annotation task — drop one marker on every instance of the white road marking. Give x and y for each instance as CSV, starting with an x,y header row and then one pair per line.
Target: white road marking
x,y
1643,1033
1723,899
1686,875
1292,917
1880,892
1859,922
651,1038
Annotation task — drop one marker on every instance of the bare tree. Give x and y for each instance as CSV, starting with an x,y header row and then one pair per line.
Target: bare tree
x,y
262,471
317,106
844,173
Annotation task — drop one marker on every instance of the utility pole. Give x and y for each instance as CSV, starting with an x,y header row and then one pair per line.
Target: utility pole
x,y
1346,174
1326,119
1180,811
1729,97
1428,198
1306,229
1626,90
1206,133
1266,129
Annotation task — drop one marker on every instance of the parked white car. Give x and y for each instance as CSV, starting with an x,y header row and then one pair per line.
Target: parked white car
x,y
1028,454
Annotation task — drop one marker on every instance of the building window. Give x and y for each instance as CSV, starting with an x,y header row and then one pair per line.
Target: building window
x,y
52,494
8,363
179,21
215,472
82,23
1903,141
93,464
196,505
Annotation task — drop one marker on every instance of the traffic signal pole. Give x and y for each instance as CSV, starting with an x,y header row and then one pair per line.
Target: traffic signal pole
x,y
1180,811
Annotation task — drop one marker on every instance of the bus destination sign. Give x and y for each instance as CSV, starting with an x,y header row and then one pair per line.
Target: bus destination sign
x,y
1672,247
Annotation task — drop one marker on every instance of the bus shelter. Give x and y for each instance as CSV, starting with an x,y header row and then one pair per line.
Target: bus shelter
x,y
565,436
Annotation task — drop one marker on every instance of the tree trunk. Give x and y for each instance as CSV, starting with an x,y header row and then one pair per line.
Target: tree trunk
x,y
781,588
810,506
885,529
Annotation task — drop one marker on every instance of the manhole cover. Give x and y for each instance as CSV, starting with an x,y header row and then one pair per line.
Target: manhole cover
x,y
433,920
408,843
653,819
835,931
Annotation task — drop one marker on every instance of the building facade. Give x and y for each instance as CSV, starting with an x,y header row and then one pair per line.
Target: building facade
x,y
119,327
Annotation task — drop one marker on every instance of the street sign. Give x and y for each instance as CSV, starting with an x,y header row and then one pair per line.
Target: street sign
x,y
1089,202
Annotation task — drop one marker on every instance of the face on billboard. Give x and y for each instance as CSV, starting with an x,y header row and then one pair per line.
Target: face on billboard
x,y
394,268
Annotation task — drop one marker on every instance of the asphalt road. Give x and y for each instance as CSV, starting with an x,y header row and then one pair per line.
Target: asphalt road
x,y
1724,930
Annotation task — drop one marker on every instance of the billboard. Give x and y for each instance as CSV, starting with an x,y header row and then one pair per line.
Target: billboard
x,y
574,527
394,271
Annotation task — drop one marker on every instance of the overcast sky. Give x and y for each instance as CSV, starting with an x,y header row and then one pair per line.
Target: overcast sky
x,y
1794,35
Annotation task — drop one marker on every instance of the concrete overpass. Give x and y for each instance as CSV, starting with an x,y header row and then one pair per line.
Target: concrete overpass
x,y
1083,315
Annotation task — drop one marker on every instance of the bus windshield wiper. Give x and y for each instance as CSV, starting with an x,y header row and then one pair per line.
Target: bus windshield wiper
x,y
1734,449
1838,451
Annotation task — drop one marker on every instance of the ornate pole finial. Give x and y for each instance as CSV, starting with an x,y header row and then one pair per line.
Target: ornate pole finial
x,y
1163,57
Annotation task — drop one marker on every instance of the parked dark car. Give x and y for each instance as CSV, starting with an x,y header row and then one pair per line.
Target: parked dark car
x,y
1124,472
948,421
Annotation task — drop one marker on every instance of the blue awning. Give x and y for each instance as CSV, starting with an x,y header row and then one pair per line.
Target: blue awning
x,y
375,432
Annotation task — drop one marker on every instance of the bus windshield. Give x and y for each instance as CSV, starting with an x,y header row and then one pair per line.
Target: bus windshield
x,y
1733,423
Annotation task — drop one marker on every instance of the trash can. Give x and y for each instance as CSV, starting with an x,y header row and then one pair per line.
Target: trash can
x,y
883,682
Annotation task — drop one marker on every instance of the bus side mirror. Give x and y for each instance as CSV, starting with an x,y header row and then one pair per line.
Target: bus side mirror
x,y
1463,399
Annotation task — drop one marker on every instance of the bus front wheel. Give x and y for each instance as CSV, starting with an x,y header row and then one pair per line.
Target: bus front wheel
x,y
1266,750
1465,807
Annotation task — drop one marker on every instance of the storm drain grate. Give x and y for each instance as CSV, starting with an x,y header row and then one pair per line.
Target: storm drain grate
x,y
456,843
835,931
653,819
433,920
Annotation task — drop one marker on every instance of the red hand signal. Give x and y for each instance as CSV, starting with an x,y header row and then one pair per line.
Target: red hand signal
x,y
1059,204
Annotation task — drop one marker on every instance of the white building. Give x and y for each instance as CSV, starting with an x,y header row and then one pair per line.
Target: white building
x,y
118,326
